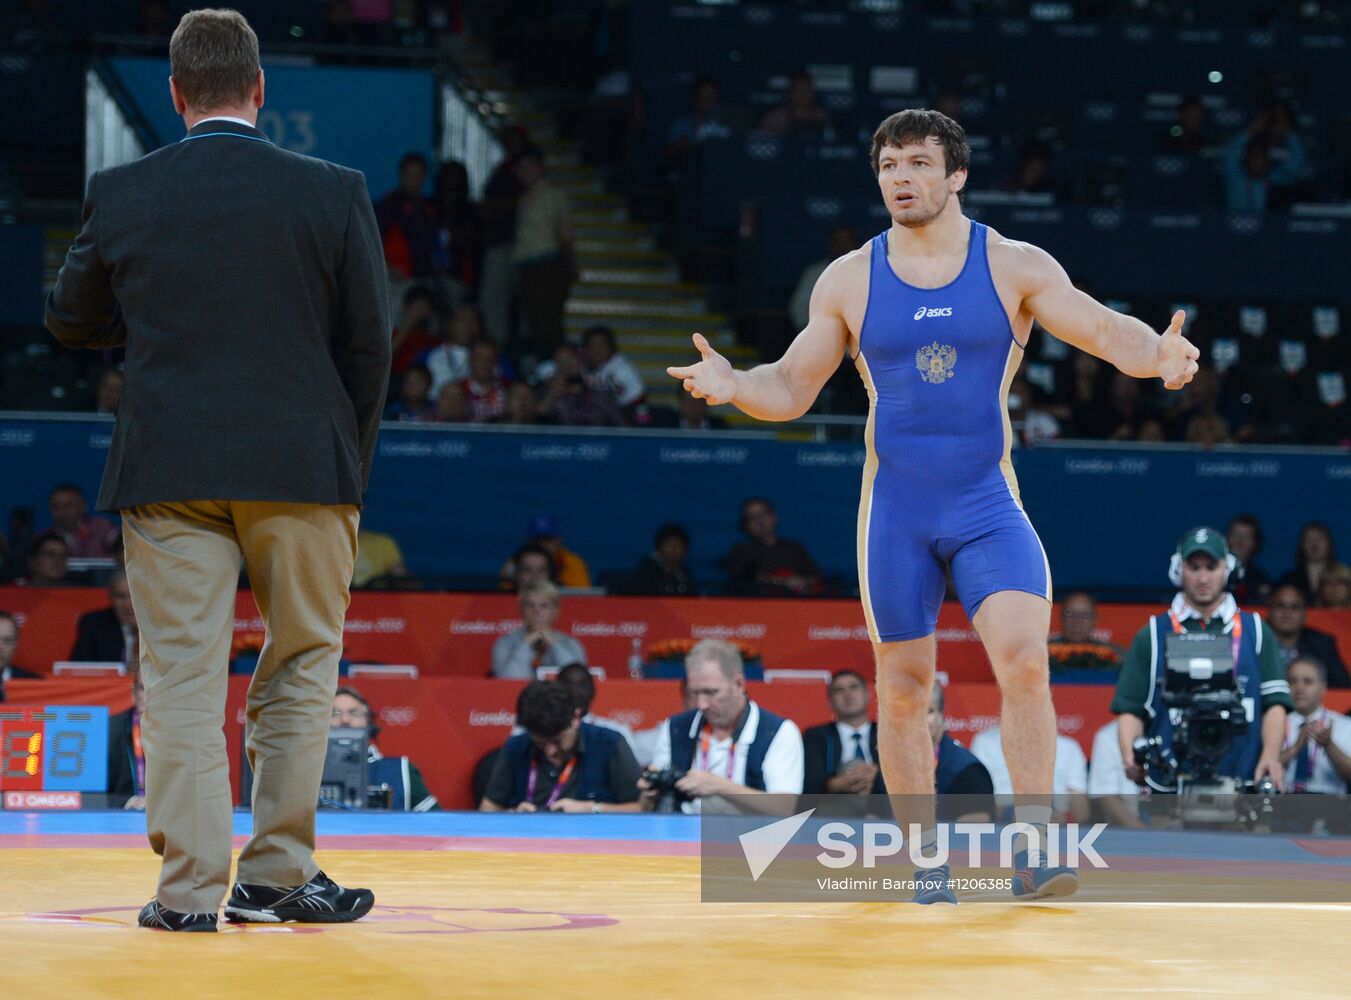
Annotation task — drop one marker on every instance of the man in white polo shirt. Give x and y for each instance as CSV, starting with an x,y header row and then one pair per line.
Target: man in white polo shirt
x,y
1317,754
1069,784
727,743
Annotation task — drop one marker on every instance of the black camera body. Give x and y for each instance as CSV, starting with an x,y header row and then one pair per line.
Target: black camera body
x,y
1202,694
663,780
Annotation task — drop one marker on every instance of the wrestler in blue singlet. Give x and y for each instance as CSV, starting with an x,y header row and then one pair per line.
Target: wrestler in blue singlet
x,y
938,487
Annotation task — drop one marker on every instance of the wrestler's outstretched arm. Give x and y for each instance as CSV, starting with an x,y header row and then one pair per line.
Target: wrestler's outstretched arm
x,y
787,388
1087,324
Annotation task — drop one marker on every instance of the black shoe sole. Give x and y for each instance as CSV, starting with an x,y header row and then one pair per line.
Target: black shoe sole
x,y
254,915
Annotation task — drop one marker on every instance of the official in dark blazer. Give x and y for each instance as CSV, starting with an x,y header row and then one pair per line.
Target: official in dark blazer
x,y
109,635
841,756
247,284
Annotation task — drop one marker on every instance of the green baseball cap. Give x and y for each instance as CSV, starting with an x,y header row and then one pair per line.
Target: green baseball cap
x,y
1206,540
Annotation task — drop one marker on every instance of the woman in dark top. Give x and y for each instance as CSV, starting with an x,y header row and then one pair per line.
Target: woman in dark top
x,y
663,570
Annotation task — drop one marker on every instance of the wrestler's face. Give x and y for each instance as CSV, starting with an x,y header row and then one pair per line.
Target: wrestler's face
x,y
914,181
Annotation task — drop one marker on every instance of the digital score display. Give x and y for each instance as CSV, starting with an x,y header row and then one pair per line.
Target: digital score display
x,y
59,748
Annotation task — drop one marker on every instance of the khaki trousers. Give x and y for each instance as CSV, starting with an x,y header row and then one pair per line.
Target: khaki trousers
x,y
183,563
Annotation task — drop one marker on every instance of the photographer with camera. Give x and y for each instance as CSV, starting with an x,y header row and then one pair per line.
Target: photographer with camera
x,y
1192,680
726,744
560,763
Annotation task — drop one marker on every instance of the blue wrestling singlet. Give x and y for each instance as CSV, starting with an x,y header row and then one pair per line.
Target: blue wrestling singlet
x,y
938,486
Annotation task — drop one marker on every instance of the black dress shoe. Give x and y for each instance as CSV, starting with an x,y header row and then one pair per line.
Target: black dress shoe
x,y
161,918
318,901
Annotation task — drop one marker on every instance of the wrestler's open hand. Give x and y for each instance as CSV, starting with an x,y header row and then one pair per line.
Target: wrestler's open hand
x,y
711,378
1177,354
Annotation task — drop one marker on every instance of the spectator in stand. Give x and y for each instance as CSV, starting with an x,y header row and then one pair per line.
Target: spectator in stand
x,y
412,406
519,654
543,253
1188,133
46,562
1082,395
703,121
449,361
9,645
957,771
663,571
571,569
452,404
110,635
126,756
1317,753
608,371
109,391
841,756
560,763
418,330
1315,554
1151,431
1033,421
1033,174
1249,583
1287,613
765,563
1119,417
408,789
579,680
530,563
378,556
498,286
1261,163
1335,590
1113,796
692,414
408,223
569,401
522,406
1069,785
1075,647
842,240
459,227
485,389
800,114
86,536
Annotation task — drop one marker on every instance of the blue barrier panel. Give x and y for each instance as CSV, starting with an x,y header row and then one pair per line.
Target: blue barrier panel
x,y
362,118
458,499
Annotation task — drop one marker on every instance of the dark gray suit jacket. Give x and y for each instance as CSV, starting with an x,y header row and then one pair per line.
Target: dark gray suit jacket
x,y
248,286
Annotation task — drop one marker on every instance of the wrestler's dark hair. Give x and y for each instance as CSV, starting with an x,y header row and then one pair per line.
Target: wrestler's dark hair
x,y
918,125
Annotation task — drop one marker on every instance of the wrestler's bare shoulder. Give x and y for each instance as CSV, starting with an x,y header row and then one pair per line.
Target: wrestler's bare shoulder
x,y
846,275
1018,262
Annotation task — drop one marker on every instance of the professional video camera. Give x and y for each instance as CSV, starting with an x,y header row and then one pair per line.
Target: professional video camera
x,y
1204,700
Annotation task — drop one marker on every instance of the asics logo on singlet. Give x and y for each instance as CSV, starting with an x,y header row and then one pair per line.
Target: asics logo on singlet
x,y
923,313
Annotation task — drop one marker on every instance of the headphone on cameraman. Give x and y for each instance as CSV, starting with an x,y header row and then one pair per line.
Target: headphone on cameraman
x,y
1175,564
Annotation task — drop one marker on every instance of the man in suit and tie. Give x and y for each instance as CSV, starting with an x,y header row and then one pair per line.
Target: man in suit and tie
x,y
841,756
247,285
109,635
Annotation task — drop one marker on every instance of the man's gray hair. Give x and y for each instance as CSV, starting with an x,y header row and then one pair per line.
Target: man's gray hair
x,y
719,651
213,58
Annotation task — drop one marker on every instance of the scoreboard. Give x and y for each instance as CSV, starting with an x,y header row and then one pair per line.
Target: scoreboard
x,y
59,748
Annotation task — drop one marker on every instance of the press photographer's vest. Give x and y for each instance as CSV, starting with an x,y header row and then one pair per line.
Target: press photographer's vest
x,y
592,783
392,771
686,728
953,759
1241,761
